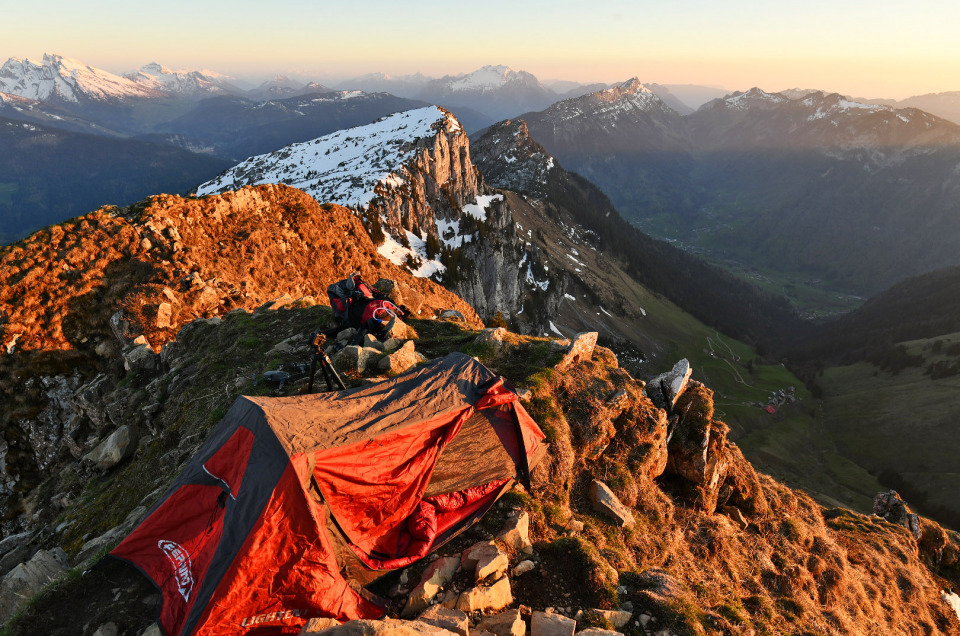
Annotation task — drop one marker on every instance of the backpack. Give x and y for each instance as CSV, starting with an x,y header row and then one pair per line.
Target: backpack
x,y
348,298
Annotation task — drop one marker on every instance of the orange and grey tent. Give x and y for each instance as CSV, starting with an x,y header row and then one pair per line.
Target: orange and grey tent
x,y
294,503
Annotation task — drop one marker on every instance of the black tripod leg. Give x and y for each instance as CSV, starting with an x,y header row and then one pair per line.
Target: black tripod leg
x,y
328,366
313,371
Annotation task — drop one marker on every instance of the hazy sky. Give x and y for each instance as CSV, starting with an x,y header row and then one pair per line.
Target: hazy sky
x,y
877,48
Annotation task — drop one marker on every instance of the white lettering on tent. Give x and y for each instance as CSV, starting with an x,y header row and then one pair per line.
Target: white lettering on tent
x,y
270,617
182,567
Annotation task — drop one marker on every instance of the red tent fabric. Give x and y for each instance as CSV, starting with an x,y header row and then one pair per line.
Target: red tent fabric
x,y
293,502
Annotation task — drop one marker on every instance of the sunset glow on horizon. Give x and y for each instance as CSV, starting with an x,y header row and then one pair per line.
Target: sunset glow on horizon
x,y
867,49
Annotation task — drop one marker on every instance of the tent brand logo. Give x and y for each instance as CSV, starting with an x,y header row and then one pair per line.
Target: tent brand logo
x,y
270,617
182,567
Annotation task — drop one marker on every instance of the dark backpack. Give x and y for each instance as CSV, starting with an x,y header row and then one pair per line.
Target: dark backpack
x,y
348,298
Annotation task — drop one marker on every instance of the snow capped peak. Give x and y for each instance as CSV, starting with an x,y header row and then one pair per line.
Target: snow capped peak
x,y
153,68
159,78
65,79
491,78
753,98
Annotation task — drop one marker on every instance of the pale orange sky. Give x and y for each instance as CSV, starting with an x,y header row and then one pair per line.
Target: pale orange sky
x,y
868,49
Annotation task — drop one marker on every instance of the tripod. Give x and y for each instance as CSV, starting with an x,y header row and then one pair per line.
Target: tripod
x,y
317,341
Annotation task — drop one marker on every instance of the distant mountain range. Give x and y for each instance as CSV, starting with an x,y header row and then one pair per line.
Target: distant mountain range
x,y
816,186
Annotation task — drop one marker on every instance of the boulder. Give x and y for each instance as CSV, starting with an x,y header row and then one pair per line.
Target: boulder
x,y
506,623
452,620
492,564
369,340
580,350
494,336
452,315
614,618
354,359
400,360
117,447
153,630
664,389
472,555
139,357
398,330
164,316
437,575
27,579
486,599
543,624
596,631
347,335
516,533
604,501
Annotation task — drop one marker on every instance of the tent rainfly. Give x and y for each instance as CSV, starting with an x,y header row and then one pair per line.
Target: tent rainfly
x,y
294,503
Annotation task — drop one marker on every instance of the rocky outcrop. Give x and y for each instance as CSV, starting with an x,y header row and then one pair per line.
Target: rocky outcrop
x,y
27,579
891,507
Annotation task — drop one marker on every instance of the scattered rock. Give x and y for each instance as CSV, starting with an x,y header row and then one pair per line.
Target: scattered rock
x,y
506,623
486,599
452,620
477,552
276,303
573,527
543,624
525,395
664,389
734,513
604,501
580,350
347,335
437,575
153,630
516,533
385,627
119,446
107,629
596,631
523,567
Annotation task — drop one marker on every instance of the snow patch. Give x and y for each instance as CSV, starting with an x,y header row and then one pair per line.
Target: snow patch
x,y
478,210
554,329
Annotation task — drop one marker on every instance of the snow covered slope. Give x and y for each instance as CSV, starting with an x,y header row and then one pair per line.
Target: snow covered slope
x,y
344,167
